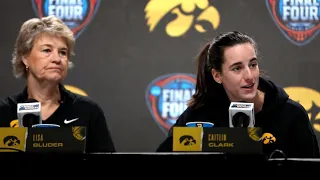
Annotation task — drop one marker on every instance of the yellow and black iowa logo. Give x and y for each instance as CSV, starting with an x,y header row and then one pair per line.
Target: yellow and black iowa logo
x,y
78,132
268,138
11,141
185,15
187,140
310,100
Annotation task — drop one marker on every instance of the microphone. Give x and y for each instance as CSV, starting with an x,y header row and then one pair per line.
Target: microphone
x,y
241,114
29,113
240,119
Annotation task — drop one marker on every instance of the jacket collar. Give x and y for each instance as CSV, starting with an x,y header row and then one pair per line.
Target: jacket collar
x,y
23,96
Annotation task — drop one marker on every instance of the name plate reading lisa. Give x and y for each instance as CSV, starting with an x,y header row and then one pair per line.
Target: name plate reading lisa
x,y
63,139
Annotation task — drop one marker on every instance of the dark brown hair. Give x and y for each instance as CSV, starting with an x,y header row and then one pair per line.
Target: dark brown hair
x,y
212,57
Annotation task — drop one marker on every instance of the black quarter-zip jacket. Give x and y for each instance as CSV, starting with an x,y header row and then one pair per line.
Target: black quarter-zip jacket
x,y
74,110
284,118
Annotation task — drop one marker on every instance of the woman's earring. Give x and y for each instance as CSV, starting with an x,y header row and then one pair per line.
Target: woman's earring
x,y
27,68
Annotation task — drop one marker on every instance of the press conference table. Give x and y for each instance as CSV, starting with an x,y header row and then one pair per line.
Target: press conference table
x,y
215,162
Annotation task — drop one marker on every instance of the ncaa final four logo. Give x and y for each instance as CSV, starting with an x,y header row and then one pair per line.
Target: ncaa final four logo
x,y
297,19
76,14
167,97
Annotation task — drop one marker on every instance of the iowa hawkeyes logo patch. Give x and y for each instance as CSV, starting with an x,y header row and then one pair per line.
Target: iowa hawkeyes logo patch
x,y
268,138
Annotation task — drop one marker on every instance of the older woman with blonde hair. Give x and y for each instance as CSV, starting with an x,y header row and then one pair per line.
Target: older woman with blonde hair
x,y
42,54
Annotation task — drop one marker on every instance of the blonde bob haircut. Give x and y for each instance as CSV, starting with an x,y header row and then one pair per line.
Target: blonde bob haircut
x,y
28,33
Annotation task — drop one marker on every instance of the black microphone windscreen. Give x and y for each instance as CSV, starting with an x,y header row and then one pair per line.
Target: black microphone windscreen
x,y
30,119
240,119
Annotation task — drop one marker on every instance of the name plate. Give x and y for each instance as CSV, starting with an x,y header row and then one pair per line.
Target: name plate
x,y
13,139
63,139
217,139
230,140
